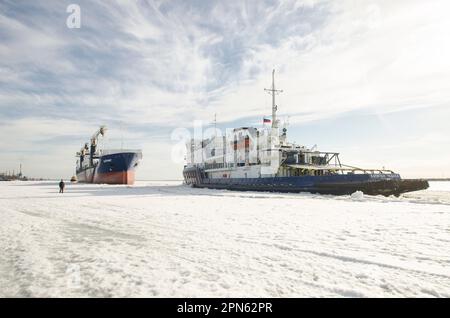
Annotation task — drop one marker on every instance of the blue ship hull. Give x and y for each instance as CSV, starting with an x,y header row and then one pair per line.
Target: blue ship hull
x,y
116,168
339,184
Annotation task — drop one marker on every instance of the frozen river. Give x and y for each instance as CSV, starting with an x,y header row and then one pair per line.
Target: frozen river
x,y
163,239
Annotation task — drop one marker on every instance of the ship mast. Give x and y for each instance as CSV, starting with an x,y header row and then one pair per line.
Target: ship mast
x,y
272,91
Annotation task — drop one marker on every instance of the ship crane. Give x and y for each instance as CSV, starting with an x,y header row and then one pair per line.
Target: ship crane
x,y
94,142
83,151
100,131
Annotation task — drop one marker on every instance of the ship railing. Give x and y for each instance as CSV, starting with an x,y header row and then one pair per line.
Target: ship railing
x,y
368,169
340,168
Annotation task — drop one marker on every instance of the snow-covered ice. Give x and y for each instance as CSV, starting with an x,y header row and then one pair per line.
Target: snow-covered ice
x,y
357,196
164,239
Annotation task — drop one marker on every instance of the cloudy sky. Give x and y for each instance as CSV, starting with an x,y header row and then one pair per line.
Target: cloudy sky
x,y
370,79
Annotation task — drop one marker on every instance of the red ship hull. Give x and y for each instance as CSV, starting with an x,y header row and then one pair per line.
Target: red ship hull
x,y
121,177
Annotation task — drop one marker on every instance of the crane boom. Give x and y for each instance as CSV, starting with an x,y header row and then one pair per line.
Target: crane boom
x,y
94,140
100,131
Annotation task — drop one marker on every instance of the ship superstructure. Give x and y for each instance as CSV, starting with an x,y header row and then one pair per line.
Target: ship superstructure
x,y
95,165
262,159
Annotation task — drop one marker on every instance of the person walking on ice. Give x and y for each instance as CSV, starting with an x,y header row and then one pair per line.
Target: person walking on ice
x,y
61,186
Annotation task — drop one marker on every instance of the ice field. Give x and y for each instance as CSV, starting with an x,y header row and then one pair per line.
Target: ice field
x,y
163,239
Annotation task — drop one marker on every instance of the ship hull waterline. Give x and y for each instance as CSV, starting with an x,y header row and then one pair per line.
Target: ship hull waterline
x,y
382,187
389,184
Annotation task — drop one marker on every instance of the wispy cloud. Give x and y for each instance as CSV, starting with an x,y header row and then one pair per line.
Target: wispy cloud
x,y
154,65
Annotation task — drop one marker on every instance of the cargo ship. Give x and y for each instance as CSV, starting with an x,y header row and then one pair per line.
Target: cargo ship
x,y
262,159
107,166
